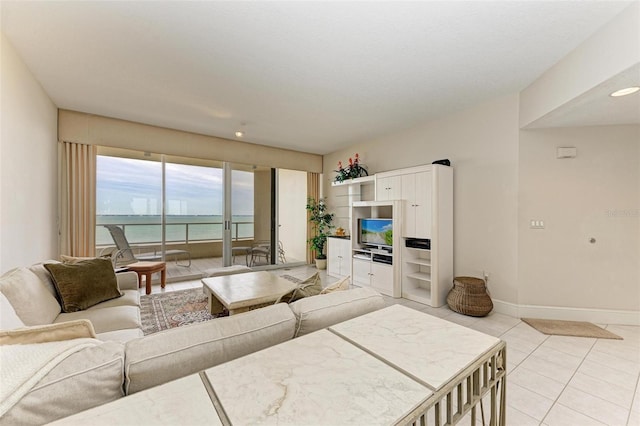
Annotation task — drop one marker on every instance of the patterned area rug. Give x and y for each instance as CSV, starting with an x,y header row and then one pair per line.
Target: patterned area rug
x,y
161,311
174,309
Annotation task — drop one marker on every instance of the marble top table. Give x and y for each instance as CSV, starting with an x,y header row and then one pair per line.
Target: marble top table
x,y
427,348
181,402
239,292
318,379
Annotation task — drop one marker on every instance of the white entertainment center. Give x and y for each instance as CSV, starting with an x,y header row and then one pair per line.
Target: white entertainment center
x,y
417,262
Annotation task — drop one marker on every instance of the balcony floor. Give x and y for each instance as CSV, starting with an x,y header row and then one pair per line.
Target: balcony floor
x,y
176,273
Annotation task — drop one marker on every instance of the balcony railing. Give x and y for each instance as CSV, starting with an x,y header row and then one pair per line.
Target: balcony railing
x,y
176,232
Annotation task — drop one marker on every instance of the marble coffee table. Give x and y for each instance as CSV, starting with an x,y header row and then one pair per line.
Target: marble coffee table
x,y
316,379
392,366
458,364
240,292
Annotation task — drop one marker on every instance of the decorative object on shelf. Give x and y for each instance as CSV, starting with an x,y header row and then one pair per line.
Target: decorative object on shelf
x,y
469,297
353,170
340,232
321,221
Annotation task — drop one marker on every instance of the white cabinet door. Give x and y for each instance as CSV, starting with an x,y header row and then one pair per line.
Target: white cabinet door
x,y
362,272
423,204
382,278
409,212
338,257
416,190
388,188
333,257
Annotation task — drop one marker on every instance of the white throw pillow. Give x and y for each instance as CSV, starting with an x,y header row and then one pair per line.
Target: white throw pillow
x,y
9,320
29,297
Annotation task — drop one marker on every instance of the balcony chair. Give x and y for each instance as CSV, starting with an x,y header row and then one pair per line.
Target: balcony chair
x,y
263,249
125,254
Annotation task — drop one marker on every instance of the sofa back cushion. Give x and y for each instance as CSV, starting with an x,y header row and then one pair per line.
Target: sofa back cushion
x,y
317,312
29,297
168,355
45,276
9,320
90,377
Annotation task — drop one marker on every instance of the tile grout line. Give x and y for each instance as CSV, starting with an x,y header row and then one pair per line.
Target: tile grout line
x,y
635,392
567,385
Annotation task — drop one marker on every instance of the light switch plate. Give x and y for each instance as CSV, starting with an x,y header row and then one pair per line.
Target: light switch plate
x,y
536,224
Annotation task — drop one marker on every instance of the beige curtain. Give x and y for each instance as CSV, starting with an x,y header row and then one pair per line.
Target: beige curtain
x,y
77,199
313,191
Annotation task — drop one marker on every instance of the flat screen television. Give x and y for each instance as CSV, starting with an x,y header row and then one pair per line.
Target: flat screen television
x,y
375,232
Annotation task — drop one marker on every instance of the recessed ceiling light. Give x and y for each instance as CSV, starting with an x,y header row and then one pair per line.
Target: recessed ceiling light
x,y
239,134
625,91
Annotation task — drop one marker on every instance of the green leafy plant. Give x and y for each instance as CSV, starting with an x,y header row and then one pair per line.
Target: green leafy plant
x,y
321,220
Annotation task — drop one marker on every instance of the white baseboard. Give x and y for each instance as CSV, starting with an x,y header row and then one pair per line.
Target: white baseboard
x,y
598,316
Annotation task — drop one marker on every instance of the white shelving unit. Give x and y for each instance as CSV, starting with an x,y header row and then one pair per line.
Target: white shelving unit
x,y
427,196
416,275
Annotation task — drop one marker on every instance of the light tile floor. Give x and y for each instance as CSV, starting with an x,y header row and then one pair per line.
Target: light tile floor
x,y
552,380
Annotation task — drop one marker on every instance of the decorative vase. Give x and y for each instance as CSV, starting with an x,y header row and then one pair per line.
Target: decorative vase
x,y
321,263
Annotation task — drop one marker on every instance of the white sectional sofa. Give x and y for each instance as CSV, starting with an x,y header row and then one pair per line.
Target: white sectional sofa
x,y
96,371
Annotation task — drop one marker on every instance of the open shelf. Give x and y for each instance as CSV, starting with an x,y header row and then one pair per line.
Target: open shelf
x,y
422,276
356,181
417,294
421,262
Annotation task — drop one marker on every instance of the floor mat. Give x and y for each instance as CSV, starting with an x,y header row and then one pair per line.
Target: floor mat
x,y
570,328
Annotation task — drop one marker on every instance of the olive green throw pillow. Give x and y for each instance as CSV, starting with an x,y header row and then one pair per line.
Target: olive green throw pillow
x,y
309,287
85,283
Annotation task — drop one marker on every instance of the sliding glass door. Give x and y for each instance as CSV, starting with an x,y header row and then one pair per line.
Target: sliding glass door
x,y
173,208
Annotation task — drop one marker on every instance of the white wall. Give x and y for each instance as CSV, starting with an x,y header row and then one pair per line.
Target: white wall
x,y
596,194
482,144
292,215
28,165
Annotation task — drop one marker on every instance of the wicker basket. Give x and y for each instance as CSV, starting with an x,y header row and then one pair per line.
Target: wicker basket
x,y
469,297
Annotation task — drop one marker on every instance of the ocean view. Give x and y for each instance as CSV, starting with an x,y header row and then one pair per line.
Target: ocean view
x,y
141,229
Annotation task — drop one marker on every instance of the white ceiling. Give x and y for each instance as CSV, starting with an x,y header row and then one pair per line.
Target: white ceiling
x,y
309,76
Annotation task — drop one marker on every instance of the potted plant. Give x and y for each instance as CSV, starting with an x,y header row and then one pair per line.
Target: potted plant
x,y
353,170
321,220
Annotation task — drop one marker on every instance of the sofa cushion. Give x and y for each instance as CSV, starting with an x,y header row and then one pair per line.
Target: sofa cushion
x,y
85,283
48,333
29,297
178,352
90,377
127,280
8,317
103,320
317,312
129,298
45,276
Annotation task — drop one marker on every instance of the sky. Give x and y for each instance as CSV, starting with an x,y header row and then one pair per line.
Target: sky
x,y
133,187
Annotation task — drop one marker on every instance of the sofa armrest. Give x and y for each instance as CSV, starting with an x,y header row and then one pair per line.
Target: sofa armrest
x,y
127,280
324,310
